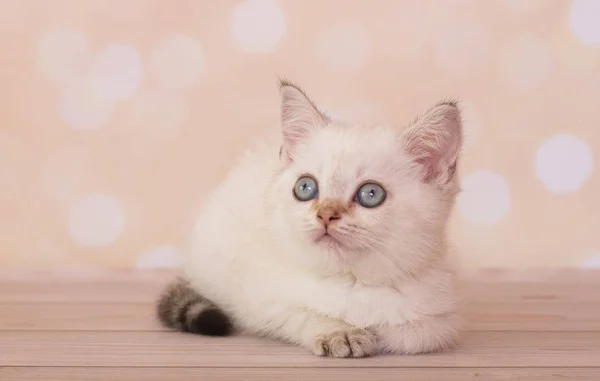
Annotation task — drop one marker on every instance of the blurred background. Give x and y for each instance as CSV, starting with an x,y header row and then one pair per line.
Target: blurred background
x,y
118,116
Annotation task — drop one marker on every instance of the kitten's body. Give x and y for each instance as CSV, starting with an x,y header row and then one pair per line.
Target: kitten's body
x,y
381,283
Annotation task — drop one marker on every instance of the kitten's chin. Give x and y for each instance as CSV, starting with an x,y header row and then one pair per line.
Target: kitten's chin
x,y
331,240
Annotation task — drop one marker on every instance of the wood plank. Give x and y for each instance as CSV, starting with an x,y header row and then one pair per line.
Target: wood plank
x,y
79,317
533,316
484,275
84,275
166,349
523,316
147,290
297,374
532,275
511,292
73,291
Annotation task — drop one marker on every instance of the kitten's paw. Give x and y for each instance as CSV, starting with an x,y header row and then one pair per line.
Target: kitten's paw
x,y
352,343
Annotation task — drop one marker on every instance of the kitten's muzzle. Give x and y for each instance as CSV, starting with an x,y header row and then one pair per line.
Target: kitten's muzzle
x,y
328,215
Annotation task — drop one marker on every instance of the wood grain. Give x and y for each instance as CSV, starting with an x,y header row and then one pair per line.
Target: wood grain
x,y
100,325
297,374
171,349
146,291
102,316
481,276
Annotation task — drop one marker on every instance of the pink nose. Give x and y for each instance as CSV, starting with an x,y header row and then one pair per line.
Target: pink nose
x,y
328,215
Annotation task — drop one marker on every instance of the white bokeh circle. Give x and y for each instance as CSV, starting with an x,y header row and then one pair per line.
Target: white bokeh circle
x,y
563,163
344,47
81,107
161,257
177,62
116,72
96,220
527,62
62,55
583,20
591,262
257,26
463,48
484,197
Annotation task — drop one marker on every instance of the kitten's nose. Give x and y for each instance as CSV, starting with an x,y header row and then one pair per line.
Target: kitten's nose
x,y
328,215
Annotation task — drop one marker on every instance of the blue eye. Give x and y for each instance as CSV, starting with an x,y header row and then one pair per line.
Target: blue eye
x,y
370,195
306,188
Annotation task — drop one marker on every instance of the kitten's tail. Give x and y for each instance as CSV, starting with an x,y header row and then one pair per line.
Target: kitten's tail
x,y
182,308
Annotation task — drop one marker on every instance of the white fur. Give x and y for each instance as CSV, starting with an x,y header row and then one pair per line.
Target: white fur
x,y
252,250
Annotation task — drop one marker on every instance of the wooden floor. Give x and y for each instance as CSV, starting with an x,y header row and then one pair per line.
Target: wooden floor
x,y
101,326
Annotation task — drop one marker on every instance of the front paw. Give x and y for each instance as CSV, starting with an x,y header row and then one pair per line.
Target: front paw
x,y
346,343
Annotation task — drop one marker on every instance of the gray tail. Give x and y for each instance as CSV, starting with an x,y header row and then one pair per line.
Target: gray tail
x,y
182,308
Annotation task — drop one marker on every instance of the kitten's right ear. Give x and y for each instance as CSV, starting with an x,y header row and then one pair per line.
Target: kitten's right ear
x,y
435,141
299,117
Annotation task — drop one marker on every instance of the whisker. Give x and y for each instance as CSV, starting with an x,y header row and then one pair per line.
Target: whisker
x,y
363,241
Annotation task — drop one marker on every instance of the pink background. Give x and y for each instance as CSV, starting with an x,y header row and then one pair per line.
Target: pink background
x,y
117,116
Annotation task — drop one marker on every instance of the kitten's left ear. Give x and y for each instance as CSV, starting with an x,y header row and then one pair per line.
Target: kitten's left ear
x,y
435,140
299,117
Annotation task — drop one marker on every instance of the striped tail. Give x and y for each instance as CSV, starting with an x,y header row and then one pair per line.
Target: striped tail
x,y
182,308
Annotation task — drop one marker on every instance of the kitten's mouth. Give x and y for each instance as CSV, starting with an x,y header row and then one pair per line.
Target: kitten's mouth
x,y
329,239
324,236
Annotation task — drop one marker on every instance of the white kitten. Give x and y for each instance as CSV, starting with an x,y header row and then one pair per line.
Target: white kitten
x,y
336,244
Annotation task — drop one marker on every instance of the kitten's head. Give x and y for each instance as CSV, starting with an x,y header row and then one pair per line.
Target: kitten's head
x,y
365,200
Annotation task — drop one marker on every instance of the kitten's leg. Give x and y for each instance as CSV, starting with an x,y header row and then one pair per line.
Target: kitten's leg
x,y
428,334
322,335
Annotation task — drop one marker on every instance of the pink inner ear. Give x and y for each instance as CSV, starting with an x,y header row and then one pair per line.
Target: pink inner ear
x,y
435,143
429,164
437,169
440,159
299,117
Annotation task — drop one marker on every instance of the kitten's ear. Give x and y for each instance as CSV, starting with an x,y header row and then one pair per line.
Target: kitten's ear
x,y
299,116
435,140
